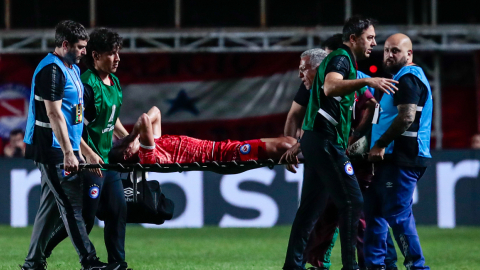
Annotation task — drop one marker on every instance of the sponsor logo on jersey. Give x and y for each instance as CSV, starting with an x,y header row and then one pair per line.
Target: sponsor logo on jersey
x,y
245,149
389,184
14,100
348,168
94,191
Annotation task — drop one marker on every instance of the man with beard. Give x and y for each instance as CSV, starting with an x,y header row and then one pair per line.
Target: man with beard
x,y
102,189
401,148
323,236
53,133
327,127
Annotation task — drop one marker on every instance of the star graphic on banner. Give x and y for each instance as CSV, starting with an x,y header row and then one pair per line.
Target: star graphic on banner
x,y
183,102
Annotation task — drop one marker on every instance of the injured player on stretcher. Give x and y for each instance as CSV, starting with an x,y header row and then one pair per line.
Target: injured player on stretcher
x,y
164,149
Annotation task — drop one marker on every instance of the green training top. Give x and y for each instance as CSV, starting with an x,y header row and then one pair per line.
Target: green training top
x,y
336,110
108,100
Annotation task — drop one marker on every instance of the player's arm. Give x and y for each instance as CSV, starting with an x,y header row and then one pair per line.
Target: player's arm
x,y
59,127
50,83
335,85
293,125
119,130
406,103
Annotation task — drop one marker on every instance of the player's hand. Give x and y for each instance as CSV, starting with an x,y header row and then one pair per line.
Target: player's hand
x,y
70,162
352,139
93,158
376,154
291,167
291,156
131,149
383,84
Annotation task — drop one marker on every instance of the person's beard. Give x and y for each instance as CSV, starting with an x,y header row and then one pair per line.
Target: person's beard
x,y
71,58
395,68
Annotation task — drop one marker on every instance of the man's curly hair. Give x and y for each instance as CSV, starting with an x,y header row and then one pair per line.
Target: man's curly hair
x,y
102,40
70,31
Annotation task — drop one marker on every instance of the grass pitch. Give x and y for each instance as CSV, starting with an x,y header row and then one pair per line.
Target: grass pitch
x,y
216,248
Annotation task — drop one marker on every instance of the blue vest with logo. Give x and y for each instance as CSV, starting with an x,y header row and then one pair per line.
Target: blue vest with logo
x,y
389,112
73,95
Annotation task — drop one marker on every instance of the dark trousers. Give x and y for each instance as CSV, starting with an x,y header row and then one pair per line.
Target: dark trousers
x,y
103,194
334,178
60,202
324,234
388,201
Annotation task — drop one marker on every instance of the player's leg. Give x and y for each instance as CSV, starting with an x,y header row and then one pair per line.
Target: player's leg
x,y
322,238
375,240
47,216
276,147
115,206
92,191
312,203
391,257
339,179
143,127
156,120
397,210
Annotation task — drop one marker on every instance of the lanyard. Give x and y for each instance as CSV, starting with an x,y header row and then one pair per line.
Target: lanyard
x,y
79,90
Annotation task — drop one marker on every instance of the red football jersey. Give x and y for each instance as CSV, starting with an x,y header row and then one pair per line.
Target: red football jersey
x,y
184,149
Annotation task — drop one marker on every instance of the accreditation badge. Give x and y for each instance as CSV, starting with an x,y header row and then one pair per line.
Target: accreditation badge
x,y
78,113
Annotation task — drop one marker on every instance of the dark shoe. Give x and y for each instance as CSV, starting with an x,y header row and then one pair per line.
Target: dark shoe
x,y
317,268
393,268
42,266
376,268
118,266
94,264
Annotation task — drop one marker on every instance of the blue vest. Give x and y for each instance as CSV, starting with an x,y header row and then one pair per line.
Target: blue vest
x,y
73,95
389,112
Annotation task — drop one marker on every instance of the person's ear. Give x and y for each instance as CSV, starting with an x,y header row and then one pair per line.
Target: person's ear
x,y
353,38
65,45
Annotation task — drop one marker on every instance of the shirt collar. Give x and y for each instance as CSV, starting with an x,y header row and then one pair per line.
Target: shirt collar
x,y
350,53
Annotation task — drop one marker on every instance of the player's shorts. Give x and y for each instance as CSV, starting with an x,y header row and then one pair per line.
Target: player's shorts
x,y
183,149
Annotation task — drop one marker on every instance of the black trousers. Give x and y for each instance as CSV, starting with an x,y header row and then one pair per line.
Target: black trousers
x,y
328,173
105,193
61,202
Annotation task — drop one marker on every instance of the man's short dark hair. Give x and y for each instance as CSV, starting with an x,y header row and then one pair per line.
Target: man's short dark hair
x,y
333,42
102,40
16,131
355,26
70,31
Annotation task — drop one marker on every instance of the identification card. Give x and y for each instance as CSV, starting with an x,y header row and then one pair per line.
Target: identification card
x,y
79,113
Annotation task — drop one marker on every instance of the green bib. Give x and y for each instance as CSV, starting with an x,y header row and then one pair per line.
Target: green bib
x,y
345,102
108,100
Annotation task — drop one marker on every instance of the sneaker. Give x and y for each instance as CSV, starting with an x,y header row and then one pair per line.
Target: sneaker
x,y
392,268
317,268
94,264
376,268
41,266
118,266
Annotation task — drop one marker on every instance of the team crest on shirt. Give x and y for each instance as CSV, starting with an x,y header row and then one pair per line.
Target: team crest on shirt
x,y
348,168
245,149
94,191
14,100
